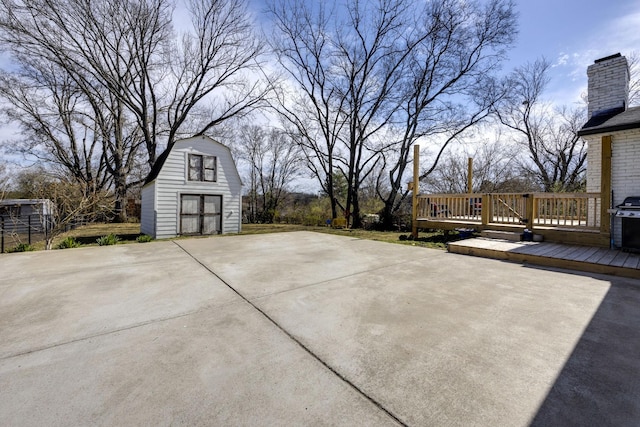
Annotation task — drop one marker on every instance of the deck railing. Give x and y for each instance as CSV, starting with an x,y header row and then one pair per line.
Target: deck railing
x,y
574,210
461,207
560,210
507,208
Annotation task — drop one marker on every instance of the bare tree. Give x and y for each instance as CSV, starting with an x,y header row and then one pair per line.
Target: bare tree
x,y
346,63
274,161
496,169
312,106
57,125
378,75
372,51
557,155
634,78
64,203
4,180
450,86
70,203
60,47
141,80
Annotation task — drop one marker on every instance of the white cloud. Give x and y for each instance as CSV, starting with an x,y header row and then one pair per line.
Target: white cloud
x,y
621,35
569,68
562,59
618,35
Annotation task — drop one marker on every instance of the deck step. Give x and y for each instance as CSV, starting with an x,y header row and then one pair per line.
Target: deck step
x,y
501,235
581,258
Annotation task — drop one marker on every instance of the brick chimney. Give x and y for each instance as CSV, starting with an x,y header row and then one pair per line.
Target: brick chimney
x,y
608,84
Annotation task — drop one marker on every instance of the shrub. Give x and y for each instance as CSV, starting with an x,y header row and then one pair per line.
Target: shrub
x,y
22,247
144,238
110,239
69,242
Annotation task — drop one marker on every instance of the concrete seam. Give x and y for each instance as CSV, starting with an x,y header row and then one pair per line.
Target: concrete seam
x,y
334,279
299,343
112,331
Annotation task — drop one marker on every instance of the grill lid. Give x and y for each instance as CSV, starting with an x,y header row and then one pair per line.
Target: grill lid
x,y
632,202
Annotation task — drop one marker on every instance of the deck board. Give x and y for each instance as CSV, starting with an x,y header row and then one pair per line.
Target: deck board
x,y
632,261
584,258
560,252
574,253
586,253
607,258
597,256
530,249
619,259
545,249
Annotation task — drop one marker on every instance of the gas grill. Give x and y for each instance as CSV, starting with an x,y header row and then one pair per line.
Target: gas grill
x,y
629,212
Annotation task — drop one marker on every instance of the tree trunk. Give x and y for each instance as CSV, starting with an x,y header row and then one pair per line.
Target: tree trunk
x,y
387,214
120,206
357,220
331,192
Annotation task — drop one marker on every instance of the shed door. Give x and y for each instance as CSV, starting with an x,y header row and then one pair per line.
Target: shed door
x,y
200,214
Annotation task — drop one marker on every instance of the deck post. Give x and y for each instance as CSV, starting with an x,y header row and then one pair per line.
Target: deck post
x,y
529,210
486,209
605,185
470,176
415,190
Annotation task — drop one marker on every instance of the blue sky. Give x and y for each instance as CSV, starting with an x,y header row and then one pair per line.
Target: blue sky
x,y
571,34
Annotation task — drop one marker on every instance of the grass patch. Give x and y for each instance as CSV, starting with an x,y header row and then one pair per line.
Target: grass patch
x,y
427,239
89,235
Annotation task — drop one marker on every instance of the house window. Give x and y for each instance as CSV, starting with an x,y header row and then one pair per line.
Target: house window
x,y
200,214
202,168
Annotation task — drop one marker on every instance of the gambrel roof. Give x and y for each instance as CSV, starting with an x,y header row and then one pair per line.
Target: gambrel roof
x,y
162,158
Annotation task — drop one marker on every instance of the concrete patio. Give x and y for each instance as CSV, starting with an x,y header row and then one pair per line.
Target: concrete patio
x,y
311,329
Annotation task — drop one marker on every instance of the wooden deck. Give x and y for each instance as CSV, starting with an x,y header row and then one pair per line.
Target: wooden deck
x,y
568,218
581,258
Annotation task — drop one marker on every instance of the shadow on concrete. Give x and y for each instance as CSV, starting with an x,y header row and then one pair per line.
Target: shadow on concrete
x,y
599,384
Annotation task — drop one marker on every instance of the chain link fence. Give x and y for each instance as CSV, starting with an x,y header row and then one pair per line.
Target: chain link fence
x,y
23,229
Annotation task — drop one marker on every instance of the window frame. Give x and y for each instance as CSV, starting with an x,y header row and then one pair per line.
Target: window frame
x,y
202,168
200,215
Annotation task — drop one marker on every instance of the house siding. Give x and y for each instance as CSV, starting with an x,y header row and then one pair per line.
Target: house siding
x,y
172,182
148,211
594,168
625,173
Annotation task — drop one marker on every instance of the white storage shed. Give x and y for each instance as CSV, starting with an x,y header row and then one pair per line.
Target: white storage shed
x,y
193,189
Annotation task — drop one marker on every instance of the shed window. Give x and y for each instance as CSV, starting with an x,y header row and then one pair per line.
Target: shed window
x,y
202,168
10,210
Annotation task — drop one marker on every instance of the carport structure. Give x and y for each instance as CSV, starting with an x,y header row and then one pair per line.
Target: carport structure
x,y
311,329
